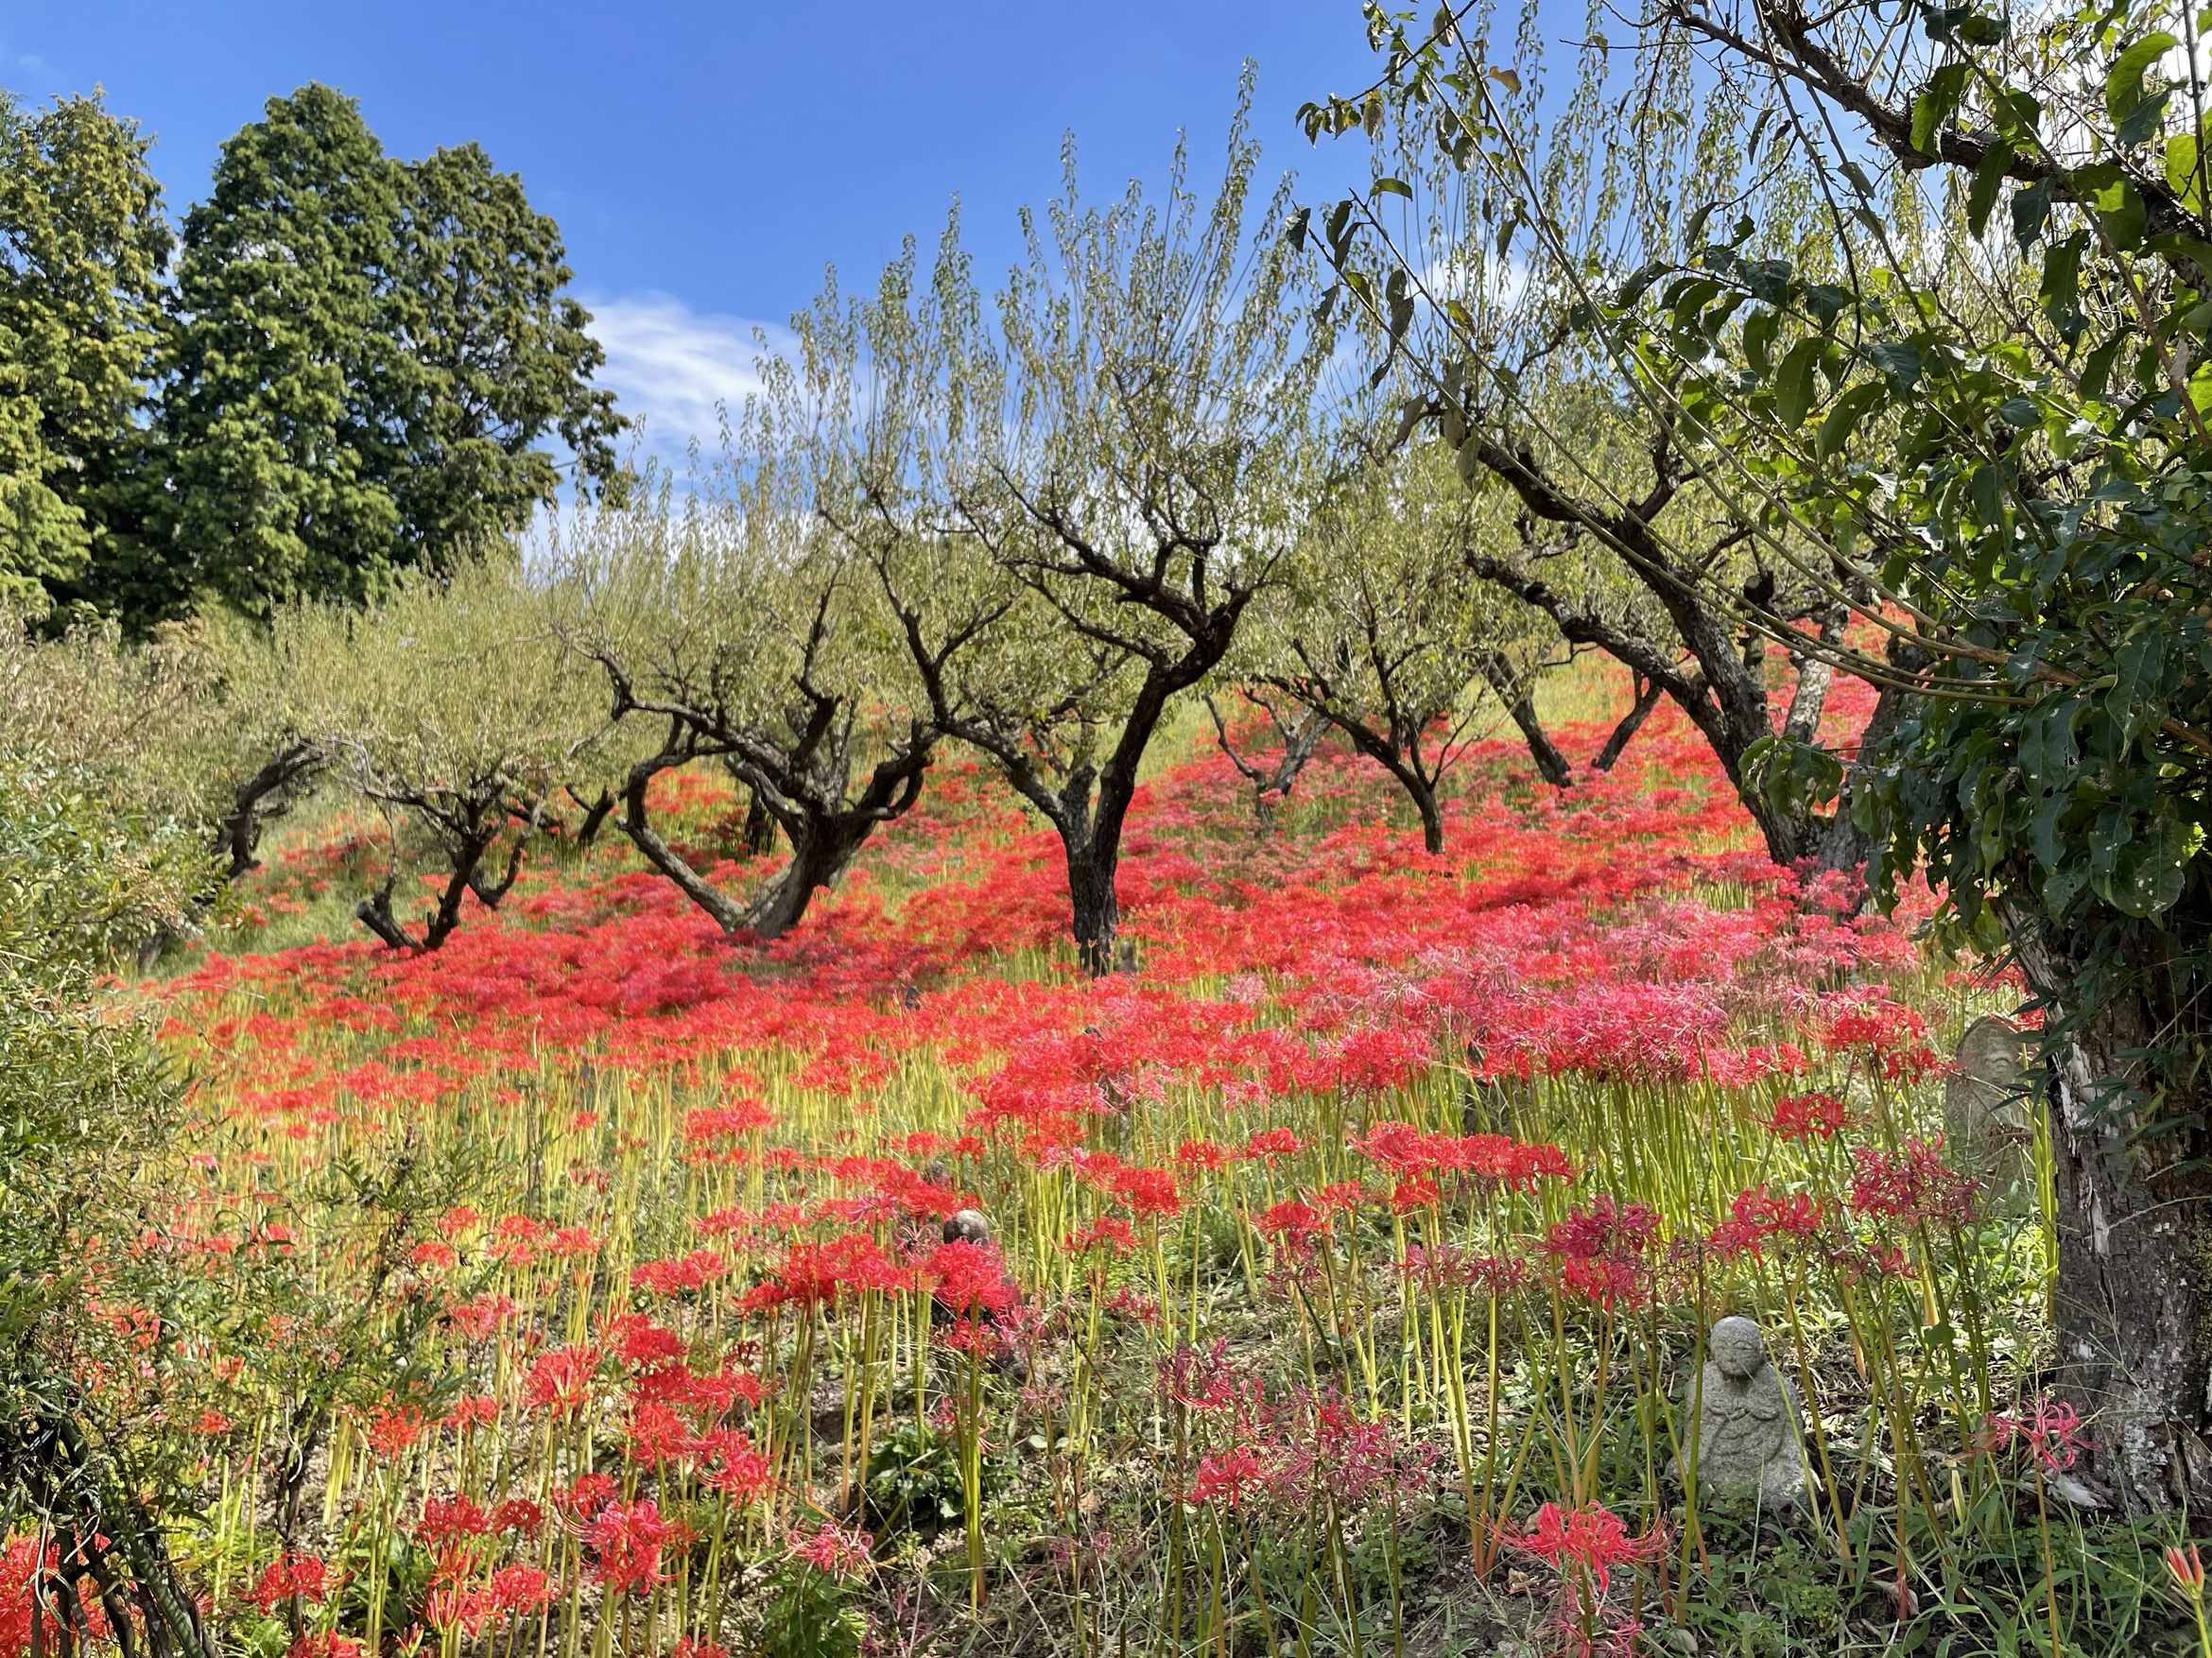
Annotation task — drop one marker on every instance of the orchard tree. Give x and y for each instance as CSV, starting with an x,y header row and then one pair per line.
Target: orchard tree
x,y
1071,504
367,356
450,706
83,245
1468,263
1978,419
735,629
1381,629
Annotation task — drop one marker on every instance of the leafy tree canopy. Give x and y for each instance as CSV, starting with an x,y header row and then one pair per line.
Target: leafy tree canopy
x,y
368,353
82,246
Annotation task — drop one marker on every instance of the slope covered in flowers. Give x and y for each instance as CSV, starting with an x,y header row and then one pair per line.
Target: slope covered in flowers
x,y
1333,1276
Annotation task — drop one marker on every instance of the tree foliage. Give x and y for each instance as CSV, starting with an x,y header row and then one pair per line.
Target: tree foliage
x,y
366,355
1493,211
1381,629
446,702
738,630
84,244
1072,508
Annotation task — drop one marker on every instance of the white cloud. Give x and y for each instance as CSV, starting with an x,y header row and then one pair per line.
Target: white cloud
x,y
675,369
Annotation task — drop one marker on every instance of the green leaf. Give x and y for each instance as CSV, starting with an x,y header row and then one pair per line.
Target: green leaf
x,y
1793,388
2061,276
1936,104
2097,367
1636,285
1759,341
2143,122
1899,361
1989,177
1851,408
2123,82
1391,187
2183,175
2030,208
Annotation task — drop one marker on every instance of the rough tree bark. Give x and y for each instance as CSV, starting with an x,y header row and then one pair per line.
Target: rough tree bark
x,y
802,787
1299,734
2135,1249
1648,693
238,835
1721,686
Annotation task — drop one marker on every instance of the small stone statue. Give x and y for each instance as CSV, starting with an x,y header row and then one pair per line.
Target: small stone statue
x,y
1747,1417
1985,1102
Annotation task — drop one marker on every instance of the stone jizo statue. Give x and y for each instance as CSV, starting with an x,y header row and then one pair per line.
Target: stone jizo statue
x,y
1985,1102
1746,1418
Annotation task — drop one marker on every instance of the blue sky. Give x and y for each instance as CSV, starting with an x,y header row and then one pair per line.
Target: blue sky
x,y
706,161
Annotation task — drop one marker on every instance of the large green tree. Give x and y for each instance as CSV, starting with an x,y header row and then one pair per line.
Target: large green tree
x,y
367,357
84,244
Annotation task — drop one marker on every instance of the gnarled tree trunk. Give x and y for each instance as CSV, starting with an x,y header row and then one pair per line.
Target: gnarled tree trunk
x,y
2134,1247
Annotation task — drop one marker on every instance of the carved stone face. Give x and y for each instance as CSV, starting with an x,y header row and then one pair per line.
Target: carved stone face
x,y
969,1226
1738,1347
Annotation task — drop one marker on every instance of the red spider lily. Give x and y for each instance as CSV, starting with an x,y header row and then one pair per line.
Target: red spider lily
x,y
970,1278
1293,1225
741,1471
1803,1116
731,1121
2187,1570
1269,1144
2049,1429
480,1315
689,1274
1151,1194
48,1615
718,1394
560,1381
1413,1192
835,1550
688,1648
628,1543
1593,1538
1202,1155
471,1411
519,1515
1450,1267
657,1435
303,1575
1604,1228
324,1643
583,1498
1913,1186
1109,1232
448,1517
814,1274
1758,1214
1228,1476
644,1344
392,1430
1206,1379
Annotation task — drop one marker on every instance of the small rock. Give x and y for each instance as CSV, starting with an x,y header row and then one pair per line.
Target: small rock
x,y
2065,1487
